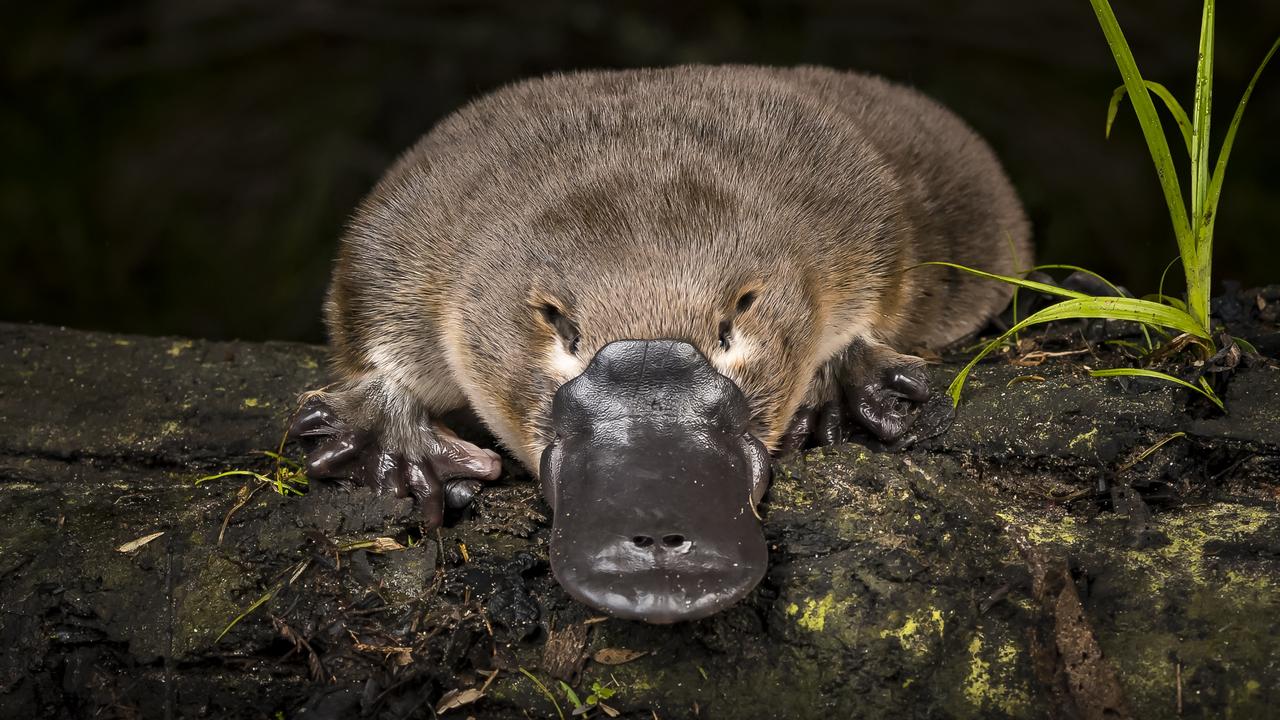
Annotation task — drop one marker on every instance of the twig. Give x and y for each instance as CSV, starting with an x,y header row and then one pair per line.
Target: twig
x,y
1147,453
1177,674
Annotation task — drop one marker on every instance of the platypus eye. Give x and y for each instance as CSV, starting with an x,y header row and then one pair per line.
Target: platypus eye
x,y
726,326
726,334
565,328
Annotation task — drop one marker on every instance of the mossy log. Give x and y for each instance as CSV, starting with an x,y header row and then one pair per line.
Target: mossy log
x,y
1036,560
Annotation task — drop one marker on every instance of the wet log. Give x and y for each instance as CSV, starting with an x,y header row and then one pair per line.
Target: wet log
x,y
1068,548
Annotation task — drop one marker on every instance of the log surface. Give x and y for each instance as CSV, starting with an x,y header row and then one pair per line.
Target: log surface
x,y
979,575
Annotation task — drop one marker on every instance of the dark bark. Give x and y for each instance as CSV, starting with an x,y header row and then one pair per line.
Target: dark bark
x,y
952,580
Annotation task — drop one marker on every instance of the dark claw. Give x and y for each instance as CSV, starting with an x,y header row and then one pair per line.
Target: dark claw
x,y
449,474
886,415
459,493
830,428
887,407
314,418
797,436
422,483
333,457
910,382
385,473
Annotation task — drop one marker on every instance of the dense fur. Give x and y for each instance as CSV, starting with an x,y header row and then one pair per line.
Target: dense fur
x,y
780,210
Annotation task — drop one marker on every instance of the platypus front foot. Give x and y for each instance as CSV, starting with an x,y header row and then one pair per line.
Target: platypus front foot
x,y
421,459
869,386
884,399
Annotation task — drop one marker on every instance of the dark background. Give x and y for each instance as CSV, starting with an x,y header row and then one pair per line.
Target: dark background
x,y
184,166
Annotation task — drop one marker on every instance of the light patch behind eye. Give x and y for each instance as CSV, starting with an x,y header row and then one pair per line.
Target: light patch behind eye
x,y
730,361
563,363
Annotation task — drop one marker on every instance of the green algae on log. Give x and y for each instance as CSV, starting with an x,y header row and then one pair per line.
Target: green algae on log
x,y
899,584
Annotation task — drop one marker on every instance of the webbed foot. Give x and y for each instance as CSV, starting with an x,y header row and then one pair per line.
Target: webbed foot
x,y
432,465
869,387
884,400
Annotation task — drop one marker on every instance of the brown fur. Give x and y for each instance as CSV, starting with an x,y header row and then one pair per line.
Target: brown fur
x,y
644,204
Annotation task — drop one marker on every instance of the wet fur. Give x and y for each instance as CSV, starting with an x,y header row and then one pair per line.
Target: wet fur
x,y
644,204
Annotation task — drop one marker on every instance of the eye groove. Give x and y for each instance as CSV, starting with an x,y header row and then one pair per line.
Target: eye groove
x,y
726,334
745,301
564,327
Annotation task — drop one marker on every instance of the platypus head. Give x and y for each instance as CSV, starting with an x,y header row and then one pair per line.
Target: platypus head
x,y
653,475
661,404
651,350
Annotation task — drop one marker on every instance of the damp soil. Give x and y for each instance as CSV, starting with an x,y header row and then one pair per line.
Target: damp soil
x,y
1067,547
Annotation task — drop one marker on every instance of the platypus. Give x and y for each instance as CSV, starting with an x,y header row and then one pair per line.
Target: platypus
x,y
644,282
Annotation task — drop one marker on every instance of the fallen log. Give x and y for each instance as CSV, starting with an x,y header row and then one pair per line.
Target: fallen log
x,y
1039,559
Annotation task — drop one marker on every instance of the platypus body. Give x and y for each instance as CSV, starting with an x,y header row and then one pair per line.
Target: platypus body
x,y
645,281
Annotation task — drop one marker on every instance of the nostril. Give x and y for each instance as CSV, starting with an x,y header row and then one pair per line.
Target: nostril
x,y
673,540
642,541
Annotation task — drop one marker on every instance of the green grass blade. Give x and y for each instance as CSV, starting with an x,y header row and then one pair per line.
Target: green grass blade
x,y
570,694
1197,265
1162,92
1116,308
285,461
1163,275
1020,282
1220,169
256,604
1077,268
1245,345
1142,311
1055,266
1152,130
234,473
1204,389
1200,123
545,692
1167,300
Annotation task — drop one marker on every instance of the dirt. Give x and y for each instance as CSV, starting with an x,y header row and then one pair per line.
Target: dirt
x,y
1031,561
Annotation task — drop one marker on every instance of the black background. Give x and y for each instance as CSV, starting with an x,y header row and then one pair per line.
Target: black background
x,y
185,166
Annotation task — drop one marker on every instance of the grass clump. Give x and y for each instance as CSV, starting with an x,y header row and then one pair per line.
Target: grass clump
x,y
286,478
1192,216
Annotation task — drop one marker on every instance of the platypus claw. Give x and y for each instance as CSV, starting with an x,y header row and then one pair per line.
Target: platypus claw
x,y
445,472
885,403
880,398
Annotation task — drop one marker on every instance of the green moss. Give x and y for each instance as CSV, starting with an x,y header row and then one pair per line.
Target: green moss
x,y
1190,606
814,618
1184,557
993,681
207,601
1086,438
1065,531
919,632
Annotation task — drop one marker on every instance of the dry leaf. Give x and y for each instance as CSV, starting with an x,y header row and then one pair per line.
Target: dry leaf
x,y
457,698
135,544
608,710
386,544
378,545
616,656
